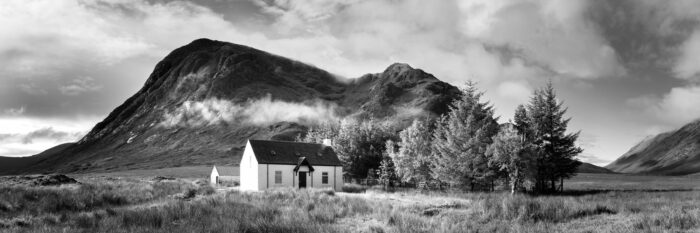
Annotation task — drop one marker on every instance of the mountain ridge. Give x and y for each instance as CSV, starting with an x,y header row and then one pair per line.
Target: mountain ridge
x,y
206,90
676,152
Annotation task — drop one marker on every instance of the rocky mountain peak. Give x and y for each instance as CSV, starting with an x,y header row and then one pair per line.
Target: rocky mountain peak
x,y
205,99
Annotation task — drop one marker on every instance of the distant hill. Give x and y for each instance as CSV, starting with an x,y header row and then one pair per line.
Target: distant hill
x,y
590,168
671,153
14,165
205,99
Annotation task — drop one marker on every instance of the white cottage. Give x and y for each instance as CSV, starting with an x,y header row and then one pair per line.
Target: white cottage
x,y
224,174
277,164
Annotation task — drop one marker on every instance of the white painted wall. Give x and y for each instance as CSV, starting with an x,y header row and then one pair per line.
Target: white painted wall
x,y
318,175
214,174
338,181
250,170
256,176
287,176
291,178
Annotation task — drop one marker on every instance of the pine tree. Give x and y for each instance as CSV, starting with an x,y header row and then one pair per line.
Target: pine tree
x,y
521,122
555,149
413,158
461,138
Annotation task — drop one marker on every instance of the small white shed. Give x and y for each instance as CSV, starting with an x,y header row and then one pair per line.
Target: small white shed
x,y
224,174
277,164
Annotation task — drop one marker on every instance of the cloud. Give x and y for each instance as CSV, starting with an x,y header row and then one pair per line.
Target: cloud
x,y
687,66
14,111
35,141
50,134
544,32
514,90
677,107
24,136
79,86
32,89
589,158
255,112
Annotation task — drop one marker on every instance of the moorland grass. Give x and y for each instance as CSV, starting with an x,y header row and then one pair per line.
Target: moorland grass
x,y
173,206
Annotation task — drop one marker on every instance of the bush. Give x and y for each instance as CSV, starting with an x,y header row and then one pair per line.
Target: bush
x,y
354,188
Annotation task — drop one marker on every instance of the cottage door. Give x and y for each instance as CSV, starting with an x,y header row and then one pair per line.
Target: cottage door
x,y
302,179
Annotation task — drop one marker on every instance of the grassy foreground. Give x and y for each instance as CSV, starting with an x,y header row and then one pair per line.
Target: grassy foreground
x,y
140,205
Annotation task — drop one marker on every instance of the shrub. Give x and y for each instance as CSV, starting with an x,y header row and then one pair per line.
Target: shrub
x,y
354,188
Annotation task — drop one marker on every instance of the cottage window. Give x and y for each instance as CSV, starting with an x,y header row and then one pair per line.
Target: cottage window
x,y
278,177
324,177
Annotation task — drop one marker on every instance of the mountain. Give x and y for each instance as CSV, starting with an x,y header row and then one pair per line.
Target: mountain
x,y
672,153
205,99
590,168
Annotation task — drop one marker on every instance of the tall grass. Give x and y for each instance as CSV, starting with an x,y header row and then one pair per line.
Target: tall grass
x,y
180,206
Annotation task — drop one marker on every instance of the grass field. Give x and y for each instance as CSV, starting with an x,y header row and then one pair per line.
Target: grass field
x,y
107,204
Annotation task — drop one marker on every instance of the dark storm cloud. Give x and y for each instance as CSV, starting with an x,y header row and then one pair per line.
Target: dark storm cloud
x,y
644,33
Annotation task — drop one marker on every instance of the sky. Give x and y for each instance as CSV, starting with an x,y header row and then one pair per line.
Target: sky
x,y
626,69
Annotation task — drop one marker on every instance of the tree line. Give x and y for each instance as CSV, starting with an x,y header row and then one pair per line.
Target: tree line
x,y
465,148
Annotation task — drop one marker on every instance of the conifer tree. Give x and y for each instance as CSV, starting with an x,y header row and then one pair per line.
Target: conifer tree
x,y
555,149
461,138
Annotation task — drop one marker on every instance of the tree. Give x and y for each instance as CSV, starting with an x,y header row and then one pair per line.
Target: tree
x,y
510,153
461,138
413,157
360,144
386,173
555,150
318,133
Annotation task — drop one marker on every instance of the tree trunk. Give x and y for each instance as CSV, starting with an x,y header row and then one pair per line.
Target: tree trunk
x,y
561,184
513,181
554,187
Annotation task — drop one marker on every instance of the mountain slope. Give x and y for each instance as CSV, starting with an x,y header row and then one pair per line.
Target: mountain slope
x,y
672,153
204,100
590,168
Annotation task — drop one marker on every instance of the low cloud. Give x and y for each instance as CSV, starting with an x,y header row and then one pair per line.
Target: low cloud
x,y
50,134
255,112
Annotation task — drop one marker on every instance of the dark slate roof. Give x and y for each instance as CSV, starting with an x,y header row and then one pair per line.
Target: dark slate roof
x,y
302,162
228,171
283,152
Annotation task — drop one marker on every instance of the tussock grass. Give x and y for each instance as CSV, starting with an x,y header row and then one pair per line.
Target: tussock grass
x,y
354,188
131,205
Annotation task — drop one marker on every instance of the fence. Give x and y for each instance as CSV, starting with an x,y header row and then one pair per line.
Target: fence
x,y
432,185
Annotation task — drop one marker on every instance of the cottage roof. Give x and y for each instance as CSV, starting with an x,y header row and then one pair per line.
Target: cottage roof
x,y
228,170
283,152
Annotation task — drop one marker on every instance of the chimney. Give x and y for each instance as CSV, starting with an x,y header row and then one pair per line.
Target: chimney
x,y
327,142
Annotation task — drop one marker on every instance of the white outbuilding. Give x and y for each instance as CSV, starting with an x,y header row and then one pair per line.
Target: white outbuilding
x,y
279,164
223,175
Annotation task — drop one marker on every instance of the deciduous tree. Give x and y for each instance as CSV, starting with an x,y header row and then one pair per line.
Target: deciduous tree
x,y
413,157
